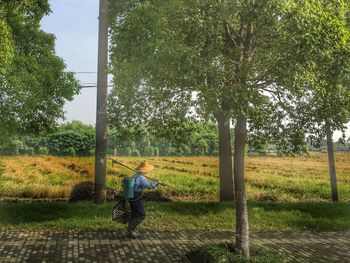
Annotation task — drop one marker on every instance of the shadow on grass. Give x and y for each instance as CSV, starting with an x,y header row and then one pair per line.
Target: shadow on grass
x,y
309,216
15,213
316,209
12,213
192,208
263,216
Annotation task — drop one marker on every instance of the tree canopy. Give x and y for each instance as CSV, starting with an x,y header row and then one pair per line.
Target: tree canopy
x,y
171,59
33,81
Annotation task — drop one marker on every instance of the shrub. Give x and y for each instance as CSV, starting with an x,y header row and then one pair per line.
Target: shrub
x,y
156,151
128,151
11,148
43,151
30,151
82,143
136,153
71,152
85,191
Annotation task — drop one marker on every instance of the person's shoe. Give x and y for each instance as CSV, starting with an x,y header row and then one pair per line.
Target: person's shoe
x,y
133,234
137,231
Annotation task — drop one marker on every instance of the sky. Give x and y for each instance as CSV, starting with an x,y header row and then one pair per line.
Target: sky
x,y
75,25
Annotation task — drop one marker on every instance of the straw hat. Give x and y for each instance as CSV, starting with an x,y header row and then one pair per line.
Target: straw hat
x,y
144,167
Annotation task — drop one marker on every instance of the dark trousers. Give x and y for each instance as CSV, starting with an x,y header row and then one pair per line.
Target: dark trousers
x,y
138,212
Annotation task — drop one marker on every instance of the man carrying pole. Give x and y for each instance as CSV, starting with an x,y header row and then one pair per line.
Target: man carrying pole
x,y
133,187
138,213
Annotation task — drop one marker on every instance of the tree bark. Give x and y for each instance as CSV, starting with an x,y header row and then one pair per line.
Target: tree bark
x,y
225,158
115,150
331,162
242,226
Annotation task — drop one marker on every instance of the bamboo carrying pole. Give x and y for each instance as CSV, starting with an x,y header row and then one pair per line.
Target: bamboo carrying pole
x,y
150,178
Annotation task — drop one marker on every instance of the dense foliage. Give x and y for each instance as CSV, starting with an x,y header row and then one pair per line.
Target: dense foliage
x,y
199,139
72,139
77,139
203,57
33,83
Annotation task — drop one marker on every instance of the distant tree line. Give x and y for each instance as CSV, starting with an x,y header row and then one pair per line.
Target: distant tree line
x,y
71,139
198,138
78,139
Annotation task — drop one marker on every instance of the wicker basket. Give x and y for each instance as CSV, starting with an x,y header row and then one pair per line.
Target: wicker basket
x,y
121,212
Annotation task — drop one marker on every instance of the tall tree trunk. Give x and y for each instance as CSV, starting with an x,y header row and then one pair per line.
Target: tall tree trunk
x,y
225,157
331,163
242,226
115,150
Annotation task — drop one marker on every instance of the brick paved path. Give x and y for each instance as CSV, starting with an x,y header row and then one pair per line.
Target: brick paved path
x,y
105,246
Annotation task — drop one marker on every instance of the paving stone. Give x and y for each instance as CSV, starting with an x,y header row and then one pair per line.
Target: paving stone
x,y
115,246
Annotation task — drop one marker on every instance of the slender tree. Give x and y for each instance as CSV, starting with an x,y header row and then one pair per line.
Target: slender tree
x,y
239,60
326,110
324,106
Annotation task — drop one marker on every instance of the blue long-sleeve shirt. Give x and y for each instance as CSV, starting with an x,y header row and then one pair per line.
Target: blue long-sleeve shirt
x,y
141,182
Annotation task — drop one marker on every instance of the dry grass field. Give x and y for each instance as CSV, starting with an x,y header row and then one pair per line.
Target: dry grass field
x,y
299,179
285,194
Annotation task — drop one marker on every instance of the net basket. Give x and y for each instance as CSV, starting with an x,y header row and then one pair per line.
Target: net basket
x,y
121,212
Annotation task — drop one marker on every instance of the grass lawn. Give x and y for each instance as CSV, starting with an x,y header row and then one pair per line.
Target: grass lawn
x,y
230,254
298,188
299,179
263,216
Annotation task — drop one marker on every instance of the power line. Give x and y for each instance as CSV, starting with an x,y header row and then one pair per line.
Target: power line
x,y
94,86
83,72
93,83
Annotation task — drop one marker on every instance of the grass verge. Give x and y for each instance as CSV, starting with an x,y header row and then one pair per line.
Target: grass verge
x,y
228,253
173,216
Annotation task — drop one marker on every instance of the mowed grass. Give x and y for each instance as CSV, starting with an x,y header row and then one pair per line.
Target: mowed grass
x,y
174,216
299,179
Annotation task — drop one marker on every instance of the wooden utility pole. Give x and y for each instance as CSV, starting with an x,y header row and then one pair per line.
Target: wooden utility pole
x,y
101,113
